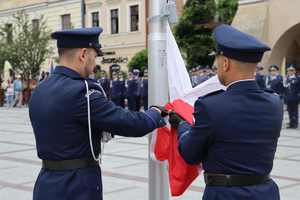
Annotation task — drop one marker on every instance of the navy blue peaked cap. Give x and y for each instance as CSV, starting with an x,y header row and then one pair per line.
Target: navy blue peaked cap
x,y
79,38
237,45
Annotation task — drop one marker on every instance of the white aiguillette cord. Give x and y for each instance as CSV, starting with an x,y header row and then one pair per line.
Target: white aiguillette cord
x,y
89,124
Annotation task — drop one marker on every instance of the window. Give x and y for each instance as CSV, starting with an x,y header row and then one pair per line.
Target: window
x,y
35,24
66,21
114,21
9,33
95,19
134,18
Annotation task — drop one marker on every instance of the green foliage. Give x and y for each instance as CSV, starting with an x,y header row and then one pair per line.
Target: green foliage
x,y
29,47
227,10
191,11
2,56
139,61
193,32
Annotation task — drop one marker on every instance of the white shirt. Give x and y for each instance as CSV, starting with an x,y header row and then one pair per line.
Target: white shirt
x,y
10,91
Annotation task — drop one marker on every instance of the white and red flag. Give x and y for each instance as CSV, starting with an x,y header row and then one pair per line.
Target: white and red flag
x,y
182,95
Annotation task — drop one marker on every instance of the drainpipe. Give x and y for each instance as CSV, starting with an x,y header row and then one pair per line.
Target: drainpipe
x,y
83,12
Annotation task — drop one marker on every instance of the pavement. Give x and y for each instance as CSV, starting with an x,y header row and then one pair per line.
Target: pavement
x,y
125,163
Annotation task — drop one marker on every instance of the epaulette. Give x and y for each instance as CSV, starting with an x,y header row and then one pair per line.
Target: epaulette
x,y
213,93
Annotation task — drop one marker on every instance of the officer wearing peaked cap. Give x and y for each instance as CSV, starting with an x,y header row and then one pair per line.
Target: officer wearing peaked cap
x,y
69,113
236,131
292,96
275,81
260,78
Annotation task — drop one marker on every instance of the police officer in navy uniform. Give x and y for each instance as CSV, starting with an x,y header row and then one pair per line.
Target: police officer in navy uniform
x,y
122,88
69,113
202,75
136,76
260,78
275,81
292,96
105,83
114,90
144,90
236,131
118,90
133,85
131,91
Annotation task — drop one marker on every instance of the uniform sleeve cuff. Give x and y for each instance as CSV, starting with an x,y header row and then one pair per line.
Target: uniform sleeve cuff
x,y
183,127
155,117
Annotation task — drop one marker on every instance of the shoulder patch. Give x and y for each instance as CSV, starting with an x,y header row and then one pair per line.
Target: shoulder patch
x,y
212,93
92,91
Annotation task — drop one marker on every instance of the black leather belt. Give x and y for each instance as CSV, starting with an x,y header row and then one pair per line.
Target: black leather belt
x,y
234,180
69,164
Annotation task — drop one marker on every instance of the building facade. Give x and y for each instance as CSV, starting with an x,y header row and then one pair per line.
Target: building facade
x,y
123,21
277,23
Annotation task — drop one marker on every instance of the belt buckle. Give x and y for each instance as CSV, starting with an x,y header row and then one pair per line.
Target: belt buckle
x,y
228,180
208,180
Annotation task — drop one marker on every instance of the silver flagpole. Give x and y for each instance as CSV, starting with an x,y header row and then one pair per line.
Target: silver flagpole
x,y
158,90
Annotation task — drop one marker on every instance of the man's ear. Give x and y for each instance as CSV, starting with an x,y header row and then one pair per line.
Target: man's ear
x,y
82,54
226,64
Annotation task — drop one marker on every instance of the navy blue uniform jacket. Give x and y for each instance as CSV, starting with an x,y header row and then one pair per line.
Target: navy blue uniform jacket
x,y
132,88
58,113
118,89
144,89
235,132
261,80
276,84
292,91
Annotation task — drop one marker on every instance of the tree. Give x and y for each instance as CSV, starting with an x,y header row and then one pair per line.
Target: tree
x,y
2,57
139,61
194,29
226,10
29,47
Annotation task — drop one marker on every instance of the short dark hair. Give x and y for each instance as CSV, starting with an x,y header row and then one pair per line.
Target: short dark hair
x,y
64,51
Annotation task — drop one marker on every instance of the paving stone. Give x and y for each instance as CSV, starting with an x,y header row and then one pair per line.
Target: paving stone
x,y
125,163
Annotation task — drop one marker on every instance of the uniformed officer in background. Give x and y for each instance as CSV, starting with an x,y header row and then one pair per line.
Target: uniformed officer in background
x,y
144,89
115,96
136,76
122,89
131,91
292,96
118,89
236,131
259,77
105,83
275,81
69,113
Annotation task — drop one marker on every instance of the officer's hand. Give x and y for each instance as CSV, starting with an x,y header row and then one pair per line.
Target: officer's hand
x,y
161,109
174,119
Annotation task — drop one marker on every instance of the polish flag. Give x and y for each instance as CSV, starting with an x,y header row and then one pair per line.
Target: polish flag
x,y
164,145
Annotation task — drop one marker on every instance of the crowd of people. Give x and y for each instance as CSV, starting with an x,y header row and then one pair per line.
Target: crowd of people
x,y
287,88
131,92
14,92
200,74
128,91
